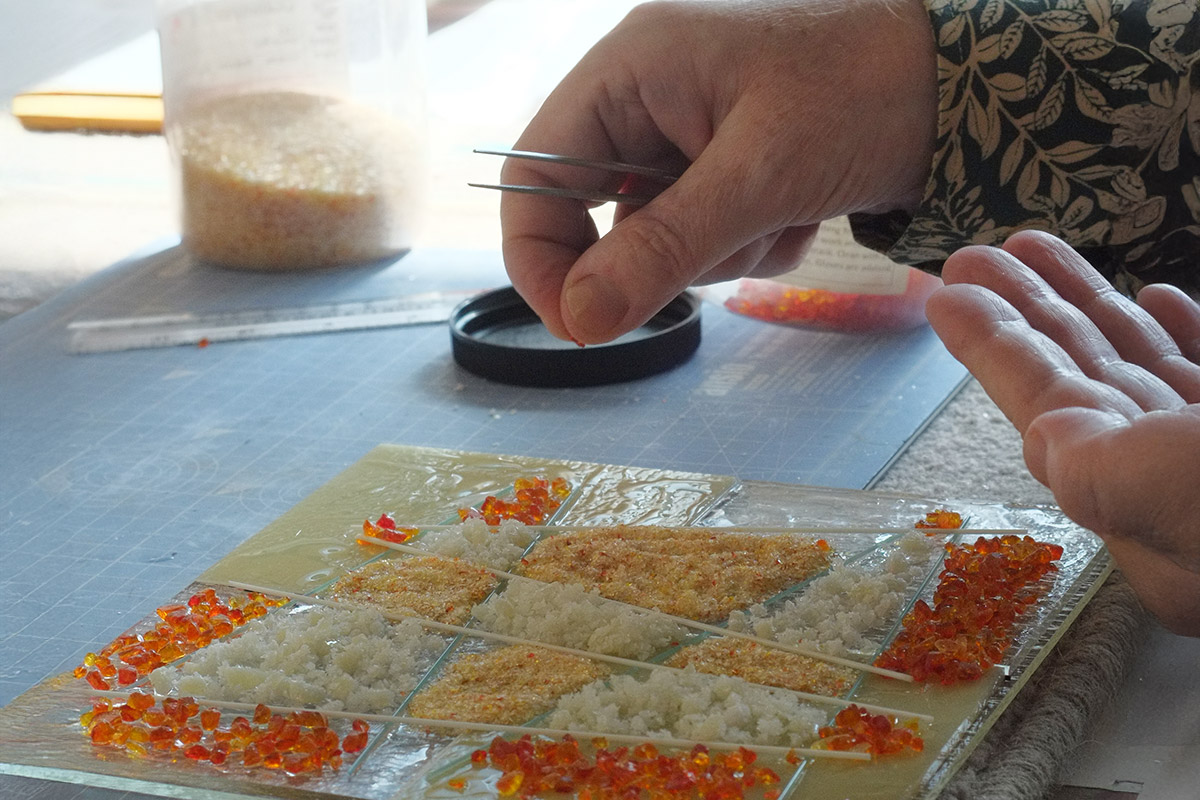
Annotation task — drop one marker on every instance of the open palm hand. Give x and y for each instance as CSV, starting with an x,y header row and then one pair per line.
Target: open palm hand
x,y
1105,393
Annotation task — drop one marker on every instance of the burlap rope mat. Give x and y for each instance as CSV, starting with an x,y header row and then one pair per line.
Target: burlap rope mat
x,y
1022,756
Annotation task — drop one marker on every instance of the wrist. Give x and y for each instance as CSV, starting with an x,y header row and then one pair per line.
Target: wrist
x,y
903,58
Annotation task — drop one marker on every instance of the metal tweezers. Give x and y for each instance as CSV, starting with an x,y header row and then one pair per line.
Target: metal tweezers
x,y
591,195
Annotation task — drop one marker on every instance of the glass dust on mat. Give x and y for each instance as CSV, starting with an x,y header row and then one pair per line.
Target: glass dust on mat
x,y
764,665
506,686
435,588
698,573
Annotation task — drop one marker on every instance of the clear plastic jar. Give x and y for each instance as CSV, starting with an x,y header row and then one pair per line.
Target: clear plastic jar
x,y
298,128
840,286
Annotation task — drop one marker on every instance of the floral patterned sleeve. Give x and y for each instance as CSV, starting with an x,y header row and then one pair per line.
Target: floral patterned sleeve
x,y
1078,117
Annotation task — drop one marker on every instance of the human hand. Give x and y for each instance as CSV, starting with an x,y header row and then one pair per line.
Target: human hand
x,y
1106,394
784,113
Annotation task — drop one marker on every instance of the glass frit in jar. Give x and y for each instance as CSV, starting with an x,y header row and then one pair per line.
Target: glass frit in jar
x,y
840,286
298,129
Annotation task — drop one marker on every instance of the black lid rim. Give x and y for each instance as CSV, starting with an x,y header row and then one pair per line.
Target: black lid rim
x,y
672,337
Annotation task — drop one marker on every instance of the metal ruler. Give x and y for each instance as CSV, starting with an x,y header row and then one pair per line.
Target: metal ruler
x,y
200,329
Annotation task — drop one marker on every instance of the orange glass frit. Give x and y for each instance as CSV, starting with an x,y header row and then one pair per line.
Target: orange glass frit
x,y
981,592
185,628
940,519
297,743
857,730
535,768
385,528
534,500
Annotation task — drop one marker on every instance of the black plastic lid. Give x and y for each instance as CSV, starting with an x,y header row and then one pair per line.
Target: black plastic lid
x,y
498,336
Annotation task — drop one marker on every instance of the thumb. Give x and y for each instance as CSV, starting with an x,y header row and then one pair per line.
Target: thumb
x,y
1069,450
1124,479
726,200
1117,476
1060,449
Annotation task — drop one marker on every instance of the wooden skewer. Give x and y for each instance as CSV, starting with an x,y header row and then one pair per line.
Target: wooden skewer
x,y
816,531
685,622
463,725
618,660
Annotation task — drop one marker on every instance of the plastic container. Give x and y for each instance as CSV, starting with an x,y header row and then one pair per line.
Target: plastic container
x,y
840,286
298,128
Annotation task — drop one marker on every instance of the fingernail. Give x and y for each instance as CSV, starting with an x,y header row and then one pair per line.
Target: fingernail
x,y
596,306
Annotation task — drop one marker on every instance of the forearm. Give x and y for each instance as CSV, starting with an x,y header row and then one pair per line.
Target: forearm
x,y
1080,122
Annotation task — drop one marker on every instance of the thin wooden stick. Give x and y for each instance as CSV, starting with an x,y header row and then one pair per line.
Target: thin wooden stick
x,y
817,531
685,622
463,725
618,660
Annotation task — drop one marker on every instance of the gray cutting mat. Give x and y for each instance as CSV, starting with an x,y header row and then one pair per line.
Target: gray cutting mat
x,y
127,474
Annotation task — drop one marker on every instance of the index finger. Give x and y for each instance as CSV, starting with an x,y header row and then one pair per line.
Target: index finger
x,y
1132,331
1061,296
1022,369
543,237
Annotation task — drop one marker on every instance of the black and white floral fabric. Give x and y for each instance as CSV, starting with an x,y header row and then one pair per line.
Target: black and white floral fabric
x,y
1079,117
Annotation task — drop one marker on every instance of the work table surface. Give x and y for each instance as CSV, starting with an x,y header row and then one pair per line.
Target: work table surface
x,y
72,204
